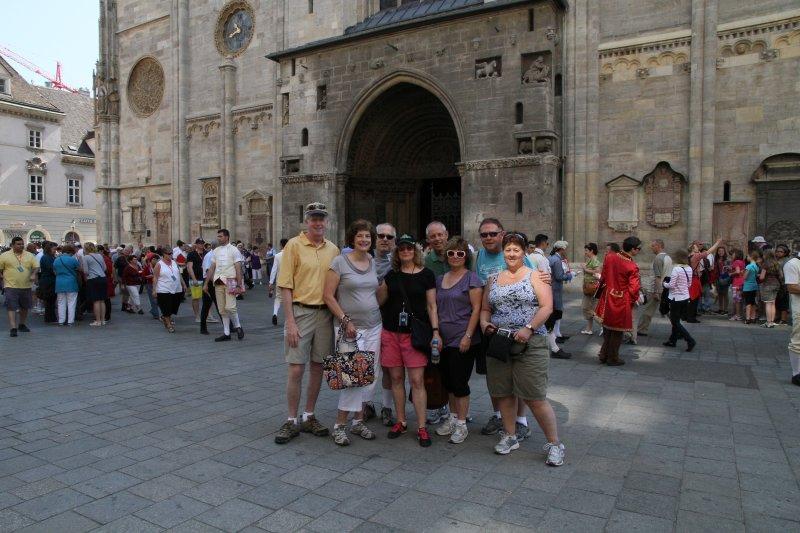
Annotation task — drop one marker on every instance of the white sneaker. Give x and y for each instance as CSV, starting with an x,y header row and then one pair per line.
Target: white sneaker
x,y
197,320
212,320
447,427
459,433
506,445
555,454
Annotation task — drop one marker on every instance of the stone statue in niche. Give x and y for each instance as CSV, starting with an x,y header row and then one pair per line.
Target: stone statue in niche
x,y
525,147
543,145
663,189
538,72
487,68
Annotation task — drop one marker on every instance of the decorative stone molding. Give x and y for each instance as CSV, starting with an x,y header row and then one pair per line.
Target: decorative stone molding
x,y
253,116
145,86
36,165
314,178
642,73
769,55
757,40
551,34
663,56
375,64
204,124
510,162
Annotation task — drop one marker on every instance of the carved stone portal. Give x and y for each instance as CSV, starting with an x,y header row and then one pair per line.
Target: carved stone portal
x,y
146,86
491,67
663,189
623,204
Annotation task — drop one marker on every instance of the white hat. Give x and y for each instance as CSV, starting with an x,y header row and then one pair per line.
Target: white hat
x,y
759,239
560,245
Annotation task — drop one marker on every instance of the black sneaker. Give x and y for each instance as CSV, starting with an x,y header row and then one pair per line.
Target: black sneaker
x,y
13,332
690,345
239,333
561,354
274,320
24,329
222,338
203,331
642,334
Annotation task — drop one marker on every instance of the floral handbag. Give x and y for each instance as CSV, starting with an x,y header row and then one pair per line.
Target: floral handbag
x,y
347,369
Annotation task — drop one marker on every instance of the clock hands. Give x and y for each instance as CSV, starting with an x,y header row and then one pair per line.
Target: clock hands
x,y
236,31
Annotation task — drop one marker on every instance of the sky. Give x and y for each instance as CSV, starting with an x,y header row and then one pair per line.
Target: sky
x,y
46,31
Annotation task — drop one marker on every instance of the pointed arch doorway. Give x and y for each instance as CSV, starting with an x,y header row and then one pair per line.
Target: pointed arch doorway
x,y
401,162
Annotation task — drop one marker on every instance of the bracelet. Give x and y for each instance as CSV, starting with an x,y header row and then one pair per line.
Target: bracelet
x,y
435,329
467,335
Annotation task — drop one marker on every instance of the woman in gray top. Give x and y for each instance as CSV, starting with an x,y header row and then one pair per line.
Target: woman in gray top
x,y
350,293
94,267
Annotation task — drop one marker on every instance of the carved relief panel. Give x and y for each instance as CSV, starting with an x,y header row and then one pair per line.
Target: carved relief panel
x,y
211,201
146,86
490,67
623,203
536,68
163,216
663,189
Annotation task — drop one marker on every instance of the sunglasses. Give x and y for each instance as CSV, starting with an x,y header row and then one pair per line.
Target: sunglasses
x,y
461,254
489,234
404,247
385,237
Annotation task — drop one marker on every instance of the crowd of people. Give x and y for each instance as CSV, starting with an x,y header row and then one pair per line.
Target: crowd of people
x,y
430,312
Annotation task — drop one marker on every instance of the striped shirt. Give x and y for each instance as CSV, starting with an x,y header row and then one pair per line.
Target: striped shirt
x,y
679,282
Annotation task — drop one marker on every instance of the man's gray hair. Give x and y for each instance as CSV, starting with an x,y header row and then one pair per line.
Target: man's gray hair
x,y
382,224
659,242
434,224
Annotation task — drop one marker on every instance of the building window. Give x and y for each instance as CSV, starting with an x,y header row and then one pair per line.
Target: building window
x,y
726,191
310,6
304,137
557,85
531,20
294,66
519,203
322,97
34,138
73,191
4,86
36,188
301,210
518,112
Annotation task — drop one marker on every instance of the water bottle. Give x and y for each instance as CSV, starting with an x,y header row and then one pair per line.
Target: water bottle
x,y
435,356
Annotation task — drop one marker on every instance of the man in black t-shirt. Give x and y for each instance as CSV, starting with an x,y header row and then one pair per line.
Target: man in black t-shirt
x,y
194,270
119,266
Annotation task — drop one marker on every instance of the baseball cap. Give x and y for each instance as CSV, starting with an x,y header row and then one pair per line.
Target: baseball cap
x,y
405,238
199,241
316,208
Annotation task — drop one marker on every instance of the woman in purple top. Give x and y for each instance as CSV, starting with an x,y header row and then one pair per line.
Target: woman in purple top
x,y
458,301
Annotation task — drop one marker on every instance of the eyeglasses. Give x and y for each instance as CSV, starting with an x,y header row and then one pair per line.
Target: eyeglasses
x,y
385,237
461,254
489,234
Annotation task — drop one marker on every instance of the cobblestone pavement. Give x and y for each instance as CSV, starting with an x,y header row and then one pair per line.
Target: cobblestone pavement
x,y
129,428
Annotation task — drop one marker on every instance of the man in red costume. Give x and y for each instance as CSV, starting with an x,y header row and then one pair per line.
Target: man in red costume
x,y
615,306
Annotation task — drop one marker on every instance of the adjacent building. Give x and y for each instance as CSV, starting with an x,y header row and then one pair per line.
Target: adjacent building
x,y
47,175
584,119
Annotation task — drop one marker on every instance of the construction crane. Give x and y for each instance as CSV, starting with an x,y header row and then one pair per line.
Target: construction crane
x,y
55,80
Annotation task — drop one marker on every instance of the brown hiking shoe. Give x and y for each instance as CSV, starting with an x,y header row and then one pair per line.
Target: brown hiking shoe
x,y
313,426
287,432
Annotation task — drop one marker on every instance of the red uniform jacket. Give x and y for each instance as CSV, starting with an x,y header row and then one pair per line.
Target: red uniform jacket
x,y
622,284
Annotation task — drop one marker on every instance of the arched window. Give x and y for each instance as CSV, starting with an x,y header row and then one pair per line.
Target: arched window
x,y
557,85
519,203
310,6
518,113
726,191
304,137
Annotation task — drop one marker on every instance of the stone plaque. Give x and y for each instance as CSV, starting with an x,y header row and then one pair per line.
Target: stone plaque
x,y
146,87
623,203
663,189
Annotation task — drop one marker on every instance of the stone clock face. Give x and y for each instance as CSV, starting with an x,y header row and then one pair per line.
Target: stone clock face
x,y
234,28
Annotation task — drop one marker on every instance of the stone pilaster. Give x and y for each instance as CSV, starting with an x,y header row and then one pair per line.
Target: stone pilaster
x,y
180,143
228,185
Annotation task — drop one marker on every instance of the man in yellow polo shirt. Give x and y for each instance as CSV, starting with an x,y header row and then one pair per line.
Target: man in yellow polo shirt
x,y
18,273
309,325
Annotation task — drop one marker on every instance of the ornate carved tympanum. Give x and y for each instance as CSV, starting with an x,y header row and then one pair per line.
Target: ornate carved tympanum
x,y
146,86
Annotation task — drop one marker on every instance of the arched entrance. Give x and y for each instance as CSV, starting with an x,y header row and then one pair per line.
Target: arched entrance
x,y
401,162
71,237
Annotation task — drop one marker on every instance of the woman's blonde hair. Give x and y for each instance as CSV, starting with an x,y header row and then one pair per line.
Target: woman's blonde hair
x,y
89,248
680,256
396,258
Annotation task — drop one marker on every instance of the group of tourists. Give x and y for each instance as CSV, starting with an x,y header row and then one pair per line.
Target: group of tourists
x,y
447,311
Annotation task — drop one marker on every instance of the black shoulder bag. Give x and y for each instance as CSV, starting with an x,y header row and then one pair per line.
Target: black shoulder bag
x,y
421,332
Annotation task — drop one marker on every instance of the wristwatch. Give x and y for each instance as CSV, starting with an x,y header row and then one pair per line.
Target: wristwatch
x,y
529,326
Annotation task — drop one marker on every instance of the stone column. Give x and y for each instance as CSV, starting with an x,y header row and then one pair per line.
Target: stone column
x,y
180,143
710,45
228,181
116,212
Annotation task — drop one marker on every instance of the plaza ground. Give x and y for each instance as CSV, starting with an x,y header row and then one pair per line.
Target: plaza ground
x,y
130,428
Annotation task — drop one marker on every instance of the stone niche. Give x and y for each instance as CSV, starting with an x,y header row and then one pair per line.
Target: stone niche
x,y
489,67
537,68
623,204
663,190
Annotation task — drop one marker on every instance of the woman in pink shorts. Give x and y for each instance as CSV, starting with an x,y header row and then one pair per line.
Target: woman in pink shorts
x,y
409,293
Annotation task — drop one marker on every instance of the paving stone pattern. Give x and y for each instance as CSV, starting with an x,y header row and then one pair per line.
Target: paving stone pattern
x,y
130,428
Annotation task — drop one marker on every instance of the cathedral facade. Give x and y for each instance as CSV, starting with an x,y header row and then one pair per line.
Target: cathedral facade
x,y
586,120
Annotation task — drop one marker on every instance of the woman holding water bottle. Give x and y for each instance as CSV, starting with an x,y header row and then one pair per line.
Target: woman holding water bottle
x,y
408,293
458,301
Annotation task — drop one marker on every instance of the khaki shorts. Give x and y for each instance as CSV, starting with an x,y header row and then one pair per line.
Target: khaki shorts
x,y
588,304
316,335
524,375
